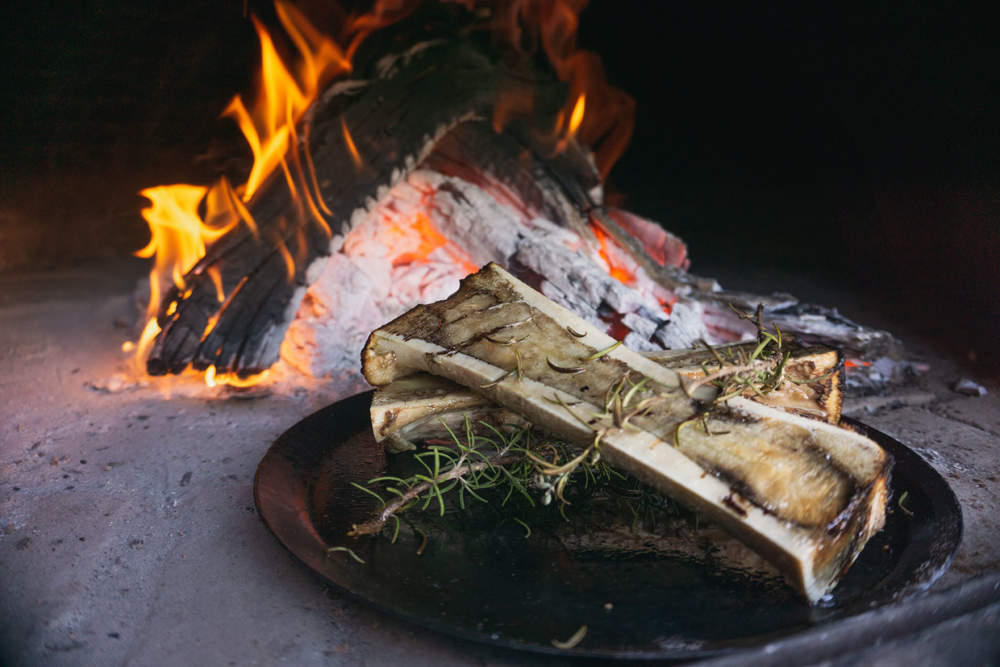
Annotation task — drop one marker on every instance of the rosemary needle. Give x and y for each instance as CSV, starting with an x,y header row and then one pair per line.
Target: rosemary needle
x,y
573,641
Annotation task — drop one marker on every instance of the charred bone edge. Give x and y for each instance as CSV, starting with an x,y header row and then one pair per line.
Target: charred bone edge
x,y
413,408
813,559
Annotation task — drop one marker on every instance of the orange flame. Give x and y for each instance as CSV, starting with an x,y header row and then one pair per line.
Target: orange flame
x,y
349,140
613,255
213,379
179,238
179,233
283,97
552,25
576,117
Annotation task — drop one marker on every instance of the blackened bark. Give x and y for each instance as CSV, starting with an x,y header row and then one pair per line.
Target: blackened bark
x,y
394,122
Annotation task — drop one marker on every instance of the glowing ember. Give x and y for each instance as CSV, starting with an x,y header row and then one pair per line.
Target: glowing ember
x,y
616,260
416,242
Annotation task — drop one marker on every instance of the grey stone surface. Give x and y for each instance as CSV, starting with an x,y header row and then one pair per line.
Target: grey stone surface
x,y
954,626
128,533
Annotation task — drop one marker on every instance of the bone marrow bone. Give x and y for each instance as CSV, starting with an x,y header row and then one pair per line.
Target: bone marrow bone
x,y
804,493
413,408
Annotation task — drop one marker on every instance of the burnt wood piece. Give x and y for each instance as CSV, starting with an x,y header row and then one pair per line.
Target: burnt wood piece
x,y
541,179
394,122
811,323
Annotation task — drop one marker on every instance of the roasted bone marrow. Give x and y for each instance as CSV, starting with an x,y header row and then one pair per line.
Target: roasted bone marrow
x,y
803,492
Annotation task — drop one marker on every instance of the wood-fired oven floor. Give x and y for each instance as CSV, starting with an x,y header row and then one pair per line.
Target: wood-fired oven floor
x,y
128,532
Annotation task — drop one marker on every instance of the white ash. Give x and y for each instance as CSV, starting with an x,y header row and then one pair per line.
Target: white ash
x,y
638,343
371,280
828,326
685,328
969,388
640,325
459,210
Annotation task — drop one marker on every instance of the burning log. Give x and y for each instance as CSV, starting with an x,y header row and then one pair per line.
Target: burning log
x,y
263,267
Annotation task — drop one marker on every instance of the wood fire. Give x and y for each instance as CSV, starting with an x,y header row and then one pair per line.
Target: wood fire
x,y
381,179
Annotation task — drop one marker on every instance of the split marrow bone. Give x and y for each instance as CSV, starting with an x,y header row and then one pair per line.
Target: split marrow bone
x,y
804,493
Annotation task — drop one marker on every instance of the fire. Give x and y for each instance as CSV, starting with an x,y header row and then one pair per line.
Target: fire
x,y
614,257
620,265
213,379
183,219
552,25
415,240
283,96
349,140
179,238
576,117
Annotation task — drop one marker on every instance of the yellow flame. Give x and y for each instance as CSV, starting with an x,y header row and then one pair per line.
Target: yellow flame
x,y
283,97
349,140
213,379
216,276
576,118
177,237
145,342
179,233
565,131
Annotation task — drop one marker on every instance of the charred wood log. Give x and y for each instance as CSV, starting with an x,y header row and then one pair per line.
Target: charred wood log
x,y
393,123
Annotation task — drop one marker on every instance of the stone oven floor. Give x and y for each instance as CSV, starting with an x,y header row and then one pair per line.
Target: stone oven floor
x,y
128,533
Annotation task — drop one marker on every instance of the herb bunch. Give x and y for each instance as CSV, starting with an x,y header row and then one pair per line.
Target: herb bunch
x,y
485,464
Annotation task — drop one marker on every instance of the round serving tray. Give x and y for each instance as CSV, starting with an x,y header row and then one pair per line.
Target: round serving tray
x,y
502,588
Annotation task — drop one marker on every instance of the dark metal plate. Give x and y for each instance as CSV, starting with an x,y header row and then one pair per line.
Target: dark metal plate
x,y
498,587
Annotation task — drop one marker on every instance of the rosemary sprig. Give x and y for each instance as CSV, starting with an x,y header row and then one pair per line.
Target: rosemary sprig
x,y
601,353
572,370
431,488
573,641
504,463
